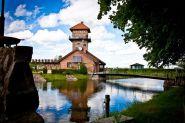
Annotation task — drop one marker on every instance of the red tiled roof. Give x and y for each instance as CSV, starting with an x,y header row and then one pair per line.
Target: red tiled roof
x,y
80,26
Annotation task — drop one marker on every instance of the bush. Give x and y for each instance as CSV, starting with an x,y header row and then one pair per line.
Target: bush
x,y
60,71
70,71
83,69
65,71
45,71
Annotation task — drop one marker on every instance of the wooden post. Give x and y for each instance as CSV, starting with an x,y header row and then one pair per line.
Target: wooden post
x,y
107,105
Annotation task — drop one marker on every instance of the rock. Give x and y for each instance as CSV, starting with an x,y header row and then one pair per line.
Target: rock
x,y
38,78
27,117
18,93
121,119
71,78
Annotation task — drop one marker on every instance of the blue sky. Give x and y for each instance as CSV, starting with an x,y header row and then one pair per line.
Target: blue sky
x,y
45,26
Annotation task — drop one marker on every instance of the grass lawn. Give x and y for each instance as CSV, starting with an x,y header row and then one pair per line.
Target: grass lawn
x,y
167,107
62,77
171,73
59,81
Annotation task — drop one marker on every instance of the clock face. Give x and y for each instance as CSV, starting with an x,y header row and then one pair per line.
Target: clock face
x,y
80,48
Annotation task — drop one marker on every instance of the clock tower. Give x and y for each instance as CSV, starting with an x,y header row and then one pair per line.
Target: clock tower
x,y
80,38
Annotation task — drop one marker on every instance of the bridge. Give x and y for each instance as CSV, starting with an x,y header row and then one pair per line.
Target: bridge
x,y
104,75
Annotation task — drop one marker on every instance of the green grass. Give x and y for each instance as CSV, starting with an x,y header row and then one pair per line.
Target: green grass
x,y
167,107
62,77
81,76
54,77
59,81
171,73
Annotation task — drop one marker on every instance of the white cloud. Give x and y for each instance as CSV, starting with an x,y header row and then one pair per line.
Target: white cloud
x,y
46,36
117,53
22,11
79,10
82,10
36,11
51,20
15,26
7,16
26,34
101,33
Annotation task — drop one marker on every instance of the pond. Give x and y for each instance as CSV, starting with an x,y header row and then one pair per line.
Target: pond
x,y
83,101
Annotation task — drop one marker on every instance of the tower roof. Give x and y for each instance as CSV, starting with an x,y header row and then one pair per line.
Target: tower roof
x,y
80,26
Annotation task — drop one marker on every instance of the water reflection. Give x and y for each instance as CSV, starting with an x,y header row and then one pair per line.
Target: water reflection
x,y
140,83
83,100
78,93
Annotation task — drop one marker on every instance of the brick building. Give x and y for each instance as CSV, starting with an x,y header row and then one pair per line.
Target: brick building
x,y
78,55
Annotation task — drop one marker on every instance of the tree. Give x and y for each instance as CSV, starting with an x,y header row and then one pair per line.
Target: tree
x,y
181,63
58,57
154,24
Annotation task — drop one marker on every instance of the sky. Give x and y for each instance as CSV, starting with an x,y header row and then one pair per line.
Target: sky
x,y
44,25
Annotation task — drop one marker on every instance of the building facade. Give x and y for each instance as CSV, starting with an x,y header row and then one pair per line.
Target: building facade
x,y
136,66
79,54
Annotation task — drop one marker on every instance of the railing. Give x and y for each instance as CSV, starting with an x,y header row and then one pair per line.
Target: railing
x,y
131,75
43,60
79,37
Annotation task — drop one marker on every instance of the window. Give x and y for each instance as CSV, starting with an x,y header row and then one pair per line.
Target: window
x,y
77,59
101,66
69,65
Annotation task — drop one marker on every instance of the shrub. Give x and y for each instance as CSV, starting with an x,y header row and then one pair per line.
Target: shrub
x,y
44,70
83,69
70,71
60,71
65,71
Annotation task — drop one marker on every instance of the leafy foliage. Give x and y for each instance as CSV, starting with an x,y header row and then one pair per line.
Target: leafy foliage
x,y
155,25
44,70
83,69
181,63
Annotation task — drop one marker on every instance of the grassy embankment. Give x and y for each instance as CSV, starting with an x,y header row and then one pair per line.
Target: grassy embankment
x,y
171,73
167,107
59,81
62,77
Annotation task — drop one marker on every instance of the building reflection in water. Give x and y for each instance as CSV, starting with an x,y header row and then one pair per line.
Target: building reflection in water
x,y
83,101
78,95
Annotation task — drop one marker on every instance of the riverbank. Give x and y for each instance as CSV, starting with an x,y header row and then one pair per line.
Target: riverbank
x,y
170,73
62,77
167,107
